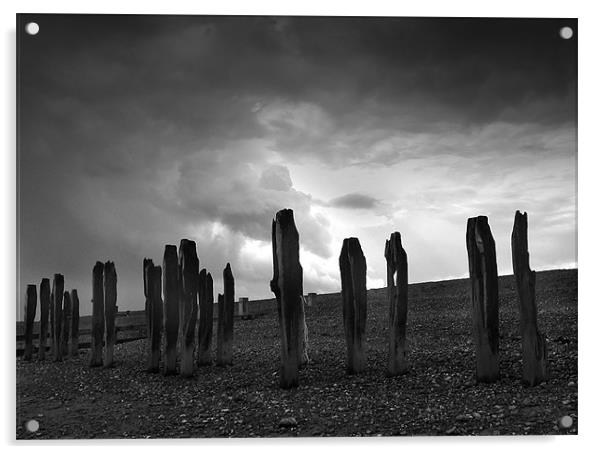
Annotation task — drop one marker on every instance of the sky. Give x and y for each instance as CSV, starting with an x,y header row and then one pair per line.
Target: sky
x,y
137,131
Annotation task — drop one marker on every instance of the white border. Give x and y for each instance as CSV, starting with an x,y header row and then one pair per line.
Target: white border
x,y
590,222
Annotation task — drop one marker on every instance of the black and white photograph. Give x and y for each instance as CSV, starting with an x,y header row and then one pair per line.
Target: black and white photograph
x,y
295,226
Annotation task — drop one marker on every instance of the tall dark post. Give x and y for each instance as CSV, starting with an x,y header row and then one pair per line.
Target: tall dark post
x,y
226,321
74,323
352,264
156,316
535,352
44,308
145,264
66,322
98,319
397,287
189,266
219,349
51,312
172,311
110,309
484,292
287,286
205,317
30,314
58,286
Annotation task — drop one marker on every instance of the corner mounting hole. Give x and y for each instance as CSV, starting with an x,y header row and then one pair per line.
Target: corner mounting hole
x,y
32,425
32,28
566,32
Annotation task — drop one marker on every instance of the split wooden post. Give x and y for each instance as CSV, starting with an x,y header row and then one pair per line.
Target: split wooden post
x,y
226,321
74,323
66,322
171,297
30,314
110,309
98,319
44,308
535,352
156,316
189,266
287,286
205,317
397,287
484,294
352,264
58,287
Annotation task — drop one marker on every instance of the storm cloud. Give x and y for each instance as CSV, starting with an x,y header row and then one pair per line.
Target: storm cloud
x,y
137,131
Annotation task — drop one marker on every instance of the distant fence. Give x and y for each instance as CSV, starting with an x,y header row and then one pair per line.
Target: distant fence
x,y
131,325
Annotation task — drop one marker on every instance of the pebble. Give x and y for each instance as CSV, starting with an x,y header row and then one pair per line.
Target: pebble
x,y
289,421
450,431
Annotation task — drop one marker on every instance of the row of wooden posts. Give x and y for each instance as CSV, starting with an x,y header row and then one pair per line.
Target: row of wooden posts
x,y
188,301
59,312
287,285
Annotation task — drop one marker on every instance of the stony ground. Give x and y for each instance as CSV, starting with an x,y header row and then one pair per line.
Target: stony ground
x,y
438,396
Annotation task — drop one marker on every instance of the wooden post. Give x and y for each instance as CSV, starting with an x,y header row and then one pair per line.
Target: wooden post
x,y
219,350
172,311
352,264
535,352
205,317
110,308
484,292
287,286
226,321
98,320
30,314
145,264
156,316
397,287
189,265
74,323
44,308
58,286
51,312
66,322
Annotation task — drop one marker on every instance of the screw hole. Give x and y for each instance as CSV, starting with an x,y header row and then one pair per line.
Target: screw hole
x,y
32,28
566,32
32,425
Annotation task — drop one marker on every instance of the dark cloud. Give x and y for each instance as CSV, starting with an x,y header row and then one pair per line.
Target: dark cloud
x,y
137,131
355,201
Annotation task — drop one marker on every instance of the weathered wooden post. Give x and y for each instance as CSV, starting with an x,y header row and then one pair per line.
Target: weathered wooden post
x,y
146,263
189,265
66,322
287,286
51,312
30,314
98,320
535,352
110,309
352,264
171,297
484,294
219,349
44,308
226,321
58,286
397,287
153,279
205,317
74,323
243,306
